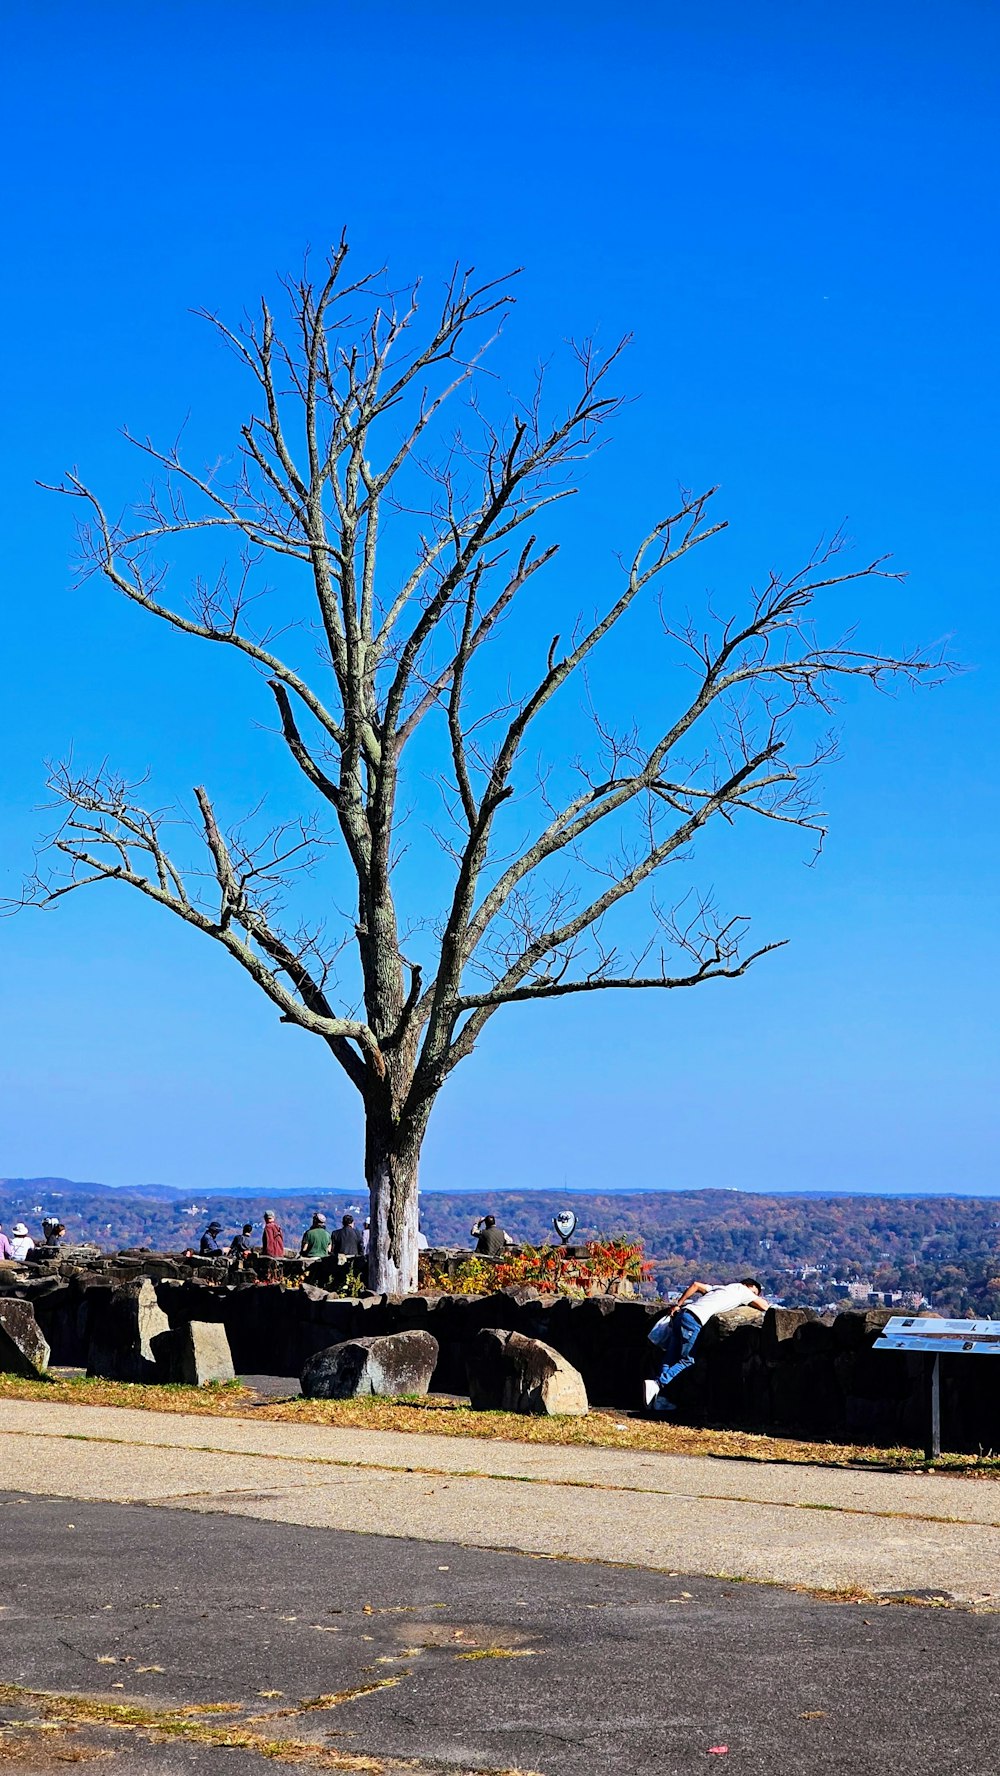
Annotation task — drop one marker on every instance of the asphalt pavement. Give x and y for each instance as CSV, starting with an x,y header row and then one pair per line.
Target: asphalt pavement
x,y
337,1650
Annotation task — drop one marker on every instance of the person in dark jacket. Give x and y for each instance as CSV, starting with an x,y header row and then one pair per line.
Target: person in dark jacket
x,y
491,1240
347,1247
347,1241
242,1243
209,1246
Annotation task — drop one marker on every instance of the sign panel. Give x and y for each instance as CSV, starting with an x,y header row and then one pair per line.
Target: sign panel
x,y
941,1337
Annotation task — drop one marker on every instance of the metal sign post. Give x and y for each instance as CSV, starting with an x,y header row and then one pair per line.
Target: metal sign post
x,y
933,1446
935,1339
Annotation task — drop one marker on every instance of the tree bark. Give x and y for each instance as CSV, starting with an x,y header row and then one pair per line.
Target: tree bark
x,y
392,1158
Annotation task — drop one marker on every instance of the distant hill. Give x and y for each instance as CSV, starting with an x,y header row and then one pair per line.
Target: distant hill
x,y
60,1187
805,1247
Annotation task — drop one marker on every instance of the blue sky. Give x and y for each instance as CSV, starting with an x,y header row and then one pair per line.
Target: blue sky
x,y
793,209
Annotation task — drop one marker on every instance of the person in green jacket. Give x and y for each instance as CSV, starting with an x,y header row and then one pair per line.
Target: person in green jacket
x,y
315,1240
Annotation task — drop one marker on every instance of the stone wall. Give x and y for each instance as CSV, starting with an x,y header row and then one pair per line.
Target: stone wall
x,y
787,1371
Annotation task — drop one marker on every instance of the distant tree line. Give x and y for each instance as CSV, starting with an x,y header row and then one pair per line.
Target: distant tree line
x,y
946,1248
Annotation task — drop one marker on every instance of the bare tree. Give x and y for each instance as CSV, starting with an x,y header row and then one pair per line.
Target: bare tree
x,y
346,436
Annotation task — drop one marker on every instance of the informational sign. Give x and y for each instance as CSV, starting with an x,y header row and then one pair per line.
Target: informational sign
x,y
934,1339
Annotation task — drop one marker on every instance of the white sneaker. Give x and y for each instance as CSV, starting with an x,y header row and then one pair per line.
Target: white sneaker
x,y
651,1389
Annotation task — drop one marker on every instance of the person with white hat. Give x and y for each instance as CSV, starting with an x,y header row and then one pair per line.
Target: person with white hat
x,y
21,1242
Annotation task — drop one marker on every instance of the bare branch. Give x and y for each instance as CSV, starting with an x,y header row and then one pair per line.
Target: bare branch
x,y
374,416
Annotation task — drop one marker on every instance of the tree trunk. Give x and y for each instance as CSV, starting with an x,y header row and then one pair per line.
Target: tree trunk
x,y
392,1158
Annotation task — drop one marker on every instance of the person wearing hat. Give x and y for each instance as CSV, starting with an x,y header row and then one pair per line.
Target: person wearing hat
x,y
210,1247
273,1242
315,1240
21,1242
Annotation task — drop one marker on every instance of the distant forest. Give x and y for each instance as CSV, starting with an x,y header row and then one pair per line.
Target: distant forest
x,y
805,1249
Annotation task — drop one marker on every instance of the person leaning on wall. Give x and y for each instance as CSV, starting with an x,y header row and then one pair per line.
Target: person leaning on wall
x,y
677,1333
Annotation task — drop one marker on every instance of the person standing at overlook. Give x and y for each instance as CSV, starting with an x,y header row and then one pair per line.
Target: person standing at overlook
x,y
347,1242
315,1240
273,1242
21,1242
241,1244
490,1239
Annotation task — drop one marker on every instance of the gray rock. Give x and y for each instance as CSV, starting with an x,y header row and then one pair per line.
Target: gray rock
x,y
23,1350
510,1373
131,1339
521,1295
722,1326
400,1363
853,1327
202,1354
780,1326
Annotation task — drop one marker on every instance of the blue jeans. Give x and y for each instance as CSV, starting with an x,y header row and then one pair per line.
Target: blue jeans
x,y
682,1336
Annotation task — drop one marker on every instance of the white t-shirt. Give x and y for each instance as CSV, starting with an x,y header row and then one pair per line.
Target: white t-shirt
x,y
21,1246
719,1301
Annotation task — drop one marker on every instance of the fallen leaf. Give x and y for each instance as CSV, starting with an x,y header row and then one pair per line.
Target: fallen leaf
x,y
106,1659
149,1667
813,1714
270,1694
718,1750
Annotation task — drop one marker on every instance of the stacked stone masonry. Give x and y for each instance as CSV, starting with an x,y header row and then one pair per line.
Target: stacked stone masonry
x,y
786,1371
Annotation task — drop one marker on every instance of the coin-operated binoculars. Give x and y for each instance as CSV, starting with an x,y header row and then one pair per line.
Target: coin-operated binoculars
x,y
565,1225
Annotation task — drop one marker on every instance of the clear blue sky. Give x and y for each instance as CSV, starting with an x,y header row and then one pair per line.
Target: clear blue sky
x,y
794,209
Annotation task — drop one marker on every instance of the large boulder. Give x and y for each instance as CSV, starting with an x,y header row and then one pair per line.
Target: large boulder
x,y
23,1350
131,1340
202,1353
400,1363
510,1373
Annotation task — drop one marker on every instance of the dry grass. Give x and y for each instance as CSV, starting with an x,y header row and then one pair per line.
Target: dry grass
x,y
43,1746
164,1724
599,1430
